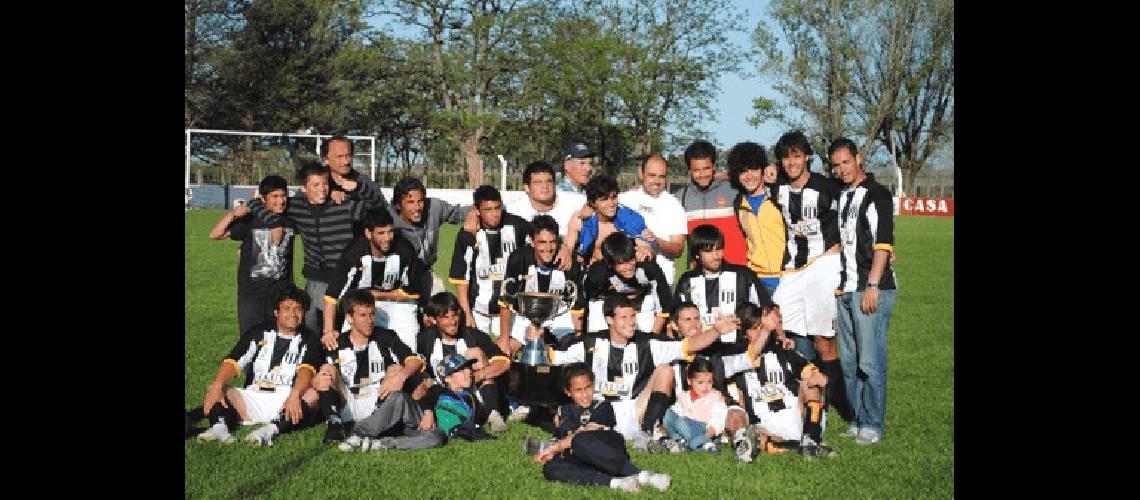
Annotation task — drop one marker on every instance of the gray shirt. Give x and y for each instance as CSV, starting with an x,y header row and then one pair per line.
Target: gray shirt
x,y
424,236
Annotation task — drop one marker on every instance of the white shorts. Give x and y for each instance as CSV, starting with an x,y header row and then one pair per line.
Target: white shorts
x,y
400,317
629,412
787,423
262,406
807,297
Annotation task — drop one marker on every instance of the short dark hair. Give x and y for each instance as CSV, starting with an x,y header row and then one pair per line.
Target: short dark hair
x,y
536,167
575,370
842,142
543,223
442,302
356,297
745,156
618,248
750,314
700,149
600,186
676,312
486,193
614,301
292,293
405,186
698,365
330,140
378,218
272,183
311,168
794,140
705,238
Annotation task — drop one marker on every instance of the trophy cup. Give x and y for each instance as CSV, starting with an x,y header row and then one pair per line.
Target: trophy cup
x,y
532,379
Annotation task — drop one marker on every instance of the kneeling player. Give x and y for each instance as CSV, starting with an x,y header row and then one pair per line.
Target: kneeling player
x,y
620,274
281,356
782,392
588,450
716,286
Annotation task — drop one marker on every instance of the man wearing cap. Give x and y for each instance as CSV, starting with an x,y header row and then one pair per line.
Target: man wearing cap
x,y
662,212
577,165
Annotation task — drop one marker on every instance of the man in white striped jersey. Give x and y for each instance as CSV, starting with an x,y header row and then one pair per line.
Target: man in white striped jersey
x,y
717,287
867,289
806,294
480,259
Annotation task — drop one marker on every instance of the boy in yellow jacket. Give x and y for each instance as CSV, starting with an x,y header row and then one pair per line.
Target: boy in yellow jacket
x,y
760,219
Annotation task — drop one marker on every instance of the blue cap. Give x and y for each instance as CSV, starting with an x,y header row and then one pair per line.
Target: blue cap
x,y
452,364
578,150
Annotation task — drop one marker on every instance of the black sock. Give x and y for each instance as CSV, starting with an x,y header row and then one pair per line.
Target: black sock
x,y
813,420
654,410
329,405
229,416
836,393
490,394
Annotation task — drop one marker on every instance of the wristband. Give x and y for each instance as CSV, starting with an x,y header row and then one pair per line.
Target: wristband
x,y
872,285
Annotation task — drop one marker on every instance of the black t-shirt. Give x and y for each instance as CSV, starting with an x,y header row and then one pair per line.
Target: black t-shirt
x,y
263,267
571,417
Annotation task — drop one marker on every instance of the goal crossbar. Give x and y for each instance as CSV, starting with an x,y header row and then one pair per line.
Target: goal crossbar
x,y
370,138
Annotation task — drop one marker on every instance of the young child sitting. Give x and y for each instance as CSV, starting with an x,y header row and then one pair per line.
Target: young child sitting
x,y
459,411
698,415
588,450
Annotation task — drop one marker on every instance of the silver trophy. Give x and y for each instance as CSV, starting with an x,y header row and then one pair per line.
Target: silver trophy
x,y
538,307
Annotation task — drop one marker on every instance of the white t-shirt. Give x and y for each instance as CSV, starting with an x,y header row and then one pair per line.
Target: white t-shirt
x,y
663,214
565,204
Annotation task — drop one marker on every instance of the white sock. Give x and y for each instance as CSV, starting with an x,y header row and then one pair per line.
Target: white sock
x,y
643,476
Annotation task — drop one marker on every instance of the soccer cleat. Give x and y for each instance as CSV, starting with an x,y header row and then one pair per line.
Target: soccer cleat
x,y
710,447
817,450
747,448
334,432
217,432
496,423
641,441
659,481
353,441
852,431
263,436
519,413
628,484
868,436
377,444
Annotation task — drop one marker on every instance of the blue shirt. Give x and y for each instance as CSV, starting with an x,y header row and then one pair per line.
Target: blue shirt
x,y
626,220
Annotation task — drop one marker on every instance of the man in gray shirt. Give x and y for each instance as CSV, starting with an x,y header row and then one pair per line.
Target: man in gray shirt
x,y
418,218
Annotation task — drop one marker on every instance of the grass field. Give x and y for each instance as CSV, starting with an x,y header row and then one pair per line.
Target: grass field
x,y
914,460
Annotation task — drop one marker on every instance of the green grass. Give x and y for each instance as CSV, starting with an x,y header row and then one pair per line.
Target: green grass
x,y
914,460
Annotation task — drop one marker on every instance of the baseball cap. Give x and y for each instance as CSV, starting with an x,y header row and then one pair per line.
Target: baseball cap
x,y
578,150
452,364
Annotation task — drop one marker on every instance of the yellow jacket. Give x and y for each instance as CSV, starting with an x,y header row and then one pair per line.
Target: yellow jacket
x,y
764,232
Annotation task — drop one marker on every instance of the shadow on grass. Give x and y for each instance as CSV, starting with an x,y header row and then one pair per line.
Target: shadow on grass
x,y
281,473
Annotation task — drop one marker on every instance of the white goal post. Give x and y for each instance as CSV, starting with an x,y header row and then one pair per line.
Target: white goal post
x,y
371,140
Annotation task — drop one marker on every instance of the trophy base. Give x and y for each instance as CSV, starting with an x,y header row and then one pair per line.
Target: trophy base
x,y
536,384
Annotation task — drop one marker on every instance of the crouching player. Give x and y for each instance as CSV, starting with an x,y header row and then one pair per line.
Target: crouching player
x,y
279,356
781,391
588,450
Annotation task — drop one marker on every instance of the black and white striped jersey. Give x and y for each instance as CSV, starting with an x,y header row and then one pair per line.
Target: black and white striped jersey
x,y
480,261
367,365
725,291
271,359
358,268
776,372
531,277
866,223
809,215
620,372
433,349
648,287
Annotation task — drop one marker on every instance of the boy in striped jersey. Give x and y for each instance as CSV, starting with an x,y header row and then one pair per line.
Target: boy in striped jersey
x,y
806,294
867,289
619,273
717,287
480,259
278,358
386,265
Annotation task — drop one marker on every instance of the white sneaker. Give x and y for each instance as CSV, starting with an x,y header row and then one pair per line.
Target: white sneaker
x,y
852,431
868,436
217,432
520,413
351,442
641,441
495,422
628,484
659,481
263,436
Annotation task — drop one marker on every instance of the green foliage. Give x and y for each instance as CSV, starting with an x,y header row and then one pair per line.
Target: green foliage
x,y
914,460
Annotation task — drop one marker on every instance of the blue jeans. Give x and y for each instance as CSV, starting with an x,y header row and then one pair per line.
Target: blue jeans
x,y
863,355
805,345
695,432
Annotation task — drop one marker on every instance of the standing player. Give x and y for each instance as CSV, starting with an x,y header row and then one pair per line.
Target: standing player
x,y
662,212
868,286
278,358
265,260
811,261
386,265
533,269
708,200
631,370
418,219
620,273
715,286
782,392
480,260
759,217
